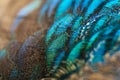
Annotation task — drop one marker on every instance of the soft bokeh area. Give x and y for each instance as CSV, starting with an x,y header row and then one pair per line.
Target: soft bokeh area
x,y
8,12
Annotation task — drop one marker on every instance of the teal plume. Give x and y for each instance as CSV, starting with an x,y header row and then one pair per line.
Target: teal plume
x,y
79,32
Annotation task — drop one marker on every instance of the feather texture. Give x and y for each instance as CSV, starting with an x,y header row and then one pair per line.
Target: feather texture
x,y
81,30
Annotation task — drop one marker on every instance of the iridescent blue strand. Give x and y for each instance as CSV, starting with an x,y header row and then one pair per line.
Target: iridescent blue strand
x,y
75,52
84,4
92,7
86,28
3,53
76,6
63,22
44,10
80,28
52,7
58,60
48,9
54,47
63,7
97,55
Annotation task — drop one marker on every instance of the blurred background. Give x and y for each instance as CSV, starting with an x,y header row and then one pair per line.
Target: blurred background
x,y
9,10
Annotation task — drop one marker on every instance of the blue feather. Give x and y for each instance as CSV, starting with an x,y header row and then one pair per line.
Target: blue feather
x,y
98,53
74,37
64,6
52,7
3,53
54,46
101,23
92,39
76,6
58,60
84,4
111,3
67,23
115,43
75,52
77,23
43,10
62,22
92,7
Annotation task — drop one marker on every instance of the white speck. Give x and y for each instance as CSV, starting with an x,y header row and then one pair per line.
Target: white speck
x,y
82,31
88,27
83,37
118,12
95,49
83,27
119,38
91,57
86,32
87,23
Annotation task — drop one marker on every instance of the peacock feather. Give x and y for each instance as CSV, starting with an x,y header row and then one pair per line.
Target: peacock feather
x,y
80,32
90,33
